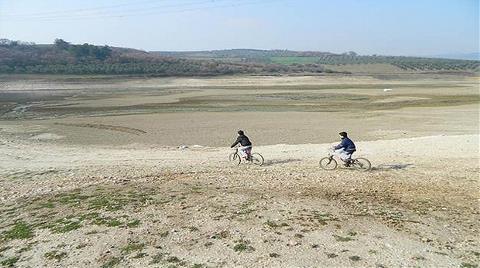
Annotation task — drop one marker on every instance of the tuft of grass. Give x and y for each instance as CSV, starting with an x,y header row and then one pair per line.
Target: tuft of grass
x,y
10,262
242,246
133,223
140,255
20,230
107,221
323,218
132,247
352,233
65,225
48,204
273,224
468,265
331,255
342,238
55,255
73,199
164,234
298,235
354,258
112,262
157,258
418,258
80,246
475,253
173,259
2,249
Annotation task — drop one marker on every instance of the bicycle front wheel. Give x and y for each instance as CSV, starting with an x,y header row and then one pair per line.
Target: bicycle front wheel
x,y
328,163
234,158
362,164
257,159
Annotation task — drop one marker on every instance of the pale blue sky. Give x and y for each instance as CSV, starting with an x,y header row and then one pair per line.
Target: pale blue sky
x,y
393,27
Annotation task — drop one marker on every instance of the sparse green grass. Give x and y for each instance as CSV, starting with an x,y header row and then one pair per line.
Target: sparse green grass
x,y
112,262
164,234
20,230
343,238
157,258
140,255
65,225
331,255
133,246
354,258
80,246
55,255
5,248
418,258
298,235
48,204
274,225
193,229
468,265
173,259
9,262
475,253
321,218
28,247
243,246
133,223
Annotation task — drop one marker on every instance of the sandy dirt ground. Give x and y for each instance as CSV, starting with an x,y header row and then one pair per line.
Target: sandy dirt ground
x,y
156,188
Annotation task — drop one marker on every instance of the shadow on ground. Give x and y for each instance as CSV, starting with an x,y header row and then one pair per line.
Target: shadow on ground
x,y
279,162
392,166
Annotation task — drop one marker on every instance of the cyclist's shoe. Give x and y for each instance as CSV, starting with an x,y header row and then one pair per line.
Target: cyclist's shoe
x,y
347,163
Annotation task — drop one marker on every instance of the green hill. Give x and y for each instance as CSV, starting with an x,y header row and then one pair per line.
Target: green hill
x,y
65,58
287,57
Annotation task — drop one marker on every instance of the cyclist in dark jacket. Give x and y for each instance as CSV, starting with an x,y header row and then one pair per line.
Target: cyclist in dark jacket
x,y
246,146
346,147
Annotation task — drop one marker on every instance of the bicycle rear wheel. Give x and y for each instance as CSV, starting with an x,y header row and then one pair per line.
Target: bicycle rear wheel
x,y
328,163
234,158
361,164
257,159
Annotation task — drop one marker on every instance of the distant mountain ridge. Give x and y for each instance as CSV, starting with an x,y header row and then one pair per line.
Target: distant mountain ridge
x,y
460,56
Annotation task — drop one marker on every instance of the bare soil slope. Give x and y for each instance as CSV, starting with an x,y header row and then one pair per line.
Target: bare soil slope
x,y
159,206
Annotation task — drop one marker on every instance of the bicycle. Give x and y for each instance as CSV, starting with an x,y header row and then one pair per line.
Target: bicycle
x,y
255,158
329,162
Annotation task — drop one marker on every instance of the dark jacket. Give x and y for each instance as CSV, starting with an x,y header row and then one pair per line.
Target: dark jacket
x,y
243,140
347,145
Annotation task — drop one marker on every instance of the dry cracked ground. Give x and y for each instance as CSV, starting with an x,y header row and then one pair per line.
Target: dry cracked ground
x,y
102,206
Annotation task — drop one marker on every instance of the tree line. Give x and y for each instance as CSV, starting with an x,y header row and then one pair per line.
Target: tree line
x,y
62,57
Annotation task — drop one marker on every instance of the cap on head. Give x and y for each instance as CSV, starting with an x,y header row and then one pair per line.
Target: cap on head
x,y
343,134
240,132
